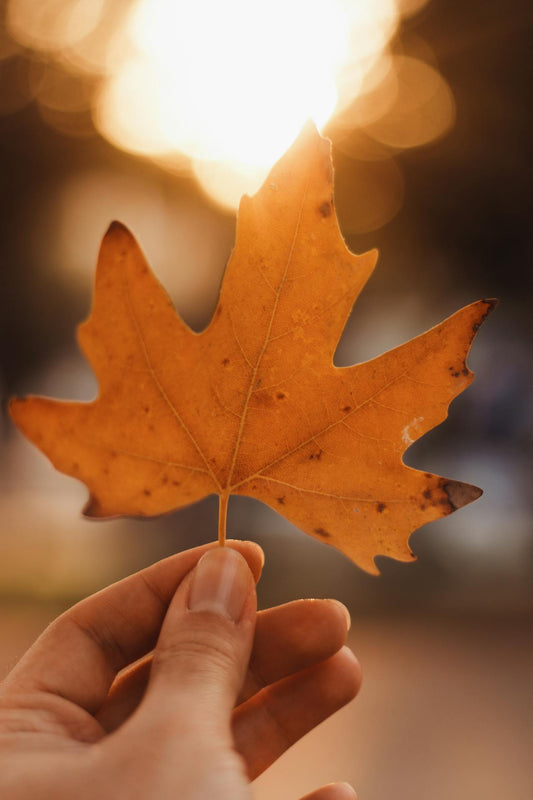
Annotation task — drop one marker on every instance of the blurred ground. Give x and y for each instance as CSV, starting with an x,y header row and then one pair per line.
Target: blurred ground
x,y
444,712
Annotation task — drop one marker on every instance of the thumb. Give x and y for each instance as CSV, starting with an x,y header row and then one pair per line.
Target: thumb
x,y
202,655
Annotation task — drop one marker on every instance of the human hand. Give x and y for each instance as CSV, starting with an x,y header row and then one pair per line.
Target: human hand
x,y
169,684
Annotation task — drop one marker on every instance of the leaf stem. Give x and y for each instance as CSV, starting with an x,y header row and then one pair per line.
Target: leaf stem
x,y
222,516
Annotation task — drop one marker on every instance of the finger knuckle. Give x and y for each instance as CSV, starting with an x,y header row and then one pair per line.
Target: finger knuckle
x,y
197,653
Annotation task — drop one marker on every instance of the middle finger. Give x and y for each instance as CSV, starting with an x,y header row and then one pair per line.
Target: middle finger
x,y
288,639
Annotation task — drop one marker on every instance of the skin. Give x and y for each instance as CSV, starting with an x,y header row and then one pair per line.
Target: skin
x,y
131,691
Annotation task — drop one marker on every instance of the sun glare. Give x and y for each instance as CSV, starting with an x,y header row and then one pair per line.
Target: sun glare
x,y
221,89
231,84
225,82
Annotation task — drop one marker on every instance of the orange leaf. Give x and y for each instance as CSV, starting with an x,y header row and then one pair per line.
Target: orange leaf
x,y
254,405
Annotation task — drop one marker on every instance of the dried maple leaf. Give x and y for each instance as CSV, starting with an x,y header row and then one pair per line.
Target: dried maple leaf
x,y
253,405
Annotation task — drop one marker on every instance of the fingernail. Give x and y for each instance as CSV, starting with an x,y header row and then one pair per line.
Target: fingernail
x,y
349,791
220,583
262,555
345,612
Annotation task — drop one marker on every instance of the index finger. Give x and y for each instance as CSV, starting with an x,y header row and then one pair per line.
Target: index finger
x,y
80,653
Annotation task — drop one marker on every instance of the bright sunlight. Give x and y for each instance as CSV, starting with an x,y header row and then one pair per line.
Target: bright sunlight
x,y
219,90
231,84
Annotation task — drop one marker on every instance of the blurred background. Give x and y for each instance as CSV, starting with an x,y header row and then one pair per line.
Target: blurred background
x,y
161,113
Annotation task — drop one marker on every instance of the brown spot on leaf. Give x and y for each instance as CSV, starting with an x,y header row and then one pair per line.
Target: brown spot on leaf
x,y
347,409
460,494
380,508
175,483
427,494
225,361
325,209
264,399
281,500
147,492
323,533
281,396
146,409
491,305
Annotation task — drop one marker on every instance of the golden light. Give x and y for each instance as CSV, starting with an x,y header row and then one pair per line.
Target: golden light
x,y
52,25
421,109
220,90
224,82
231,84
409,7
379,196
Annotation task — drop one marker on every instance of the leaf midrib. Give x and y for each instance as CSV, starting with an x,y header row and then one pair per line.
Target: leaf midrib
x,y
266,342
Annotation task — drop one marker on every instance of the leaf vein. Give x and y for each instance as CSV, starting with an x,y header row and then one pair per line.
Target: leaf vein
x,y
325,430
161,388
267,337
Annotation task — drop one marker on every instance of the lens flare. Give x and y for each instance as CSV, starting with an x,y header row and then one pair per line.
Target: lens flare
x,y
230,85
220,90
231,81
422,110
52,25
